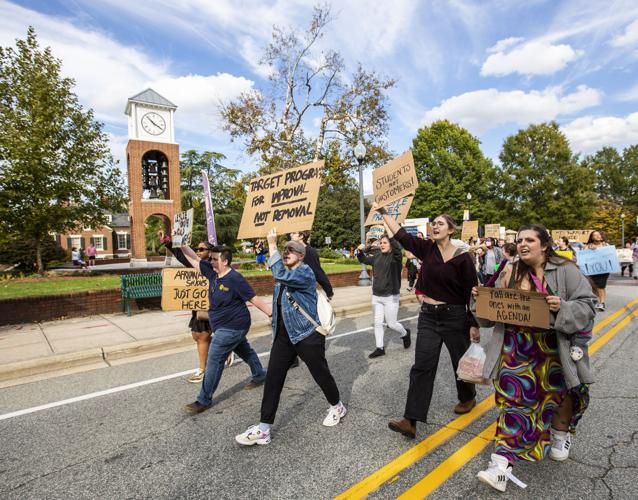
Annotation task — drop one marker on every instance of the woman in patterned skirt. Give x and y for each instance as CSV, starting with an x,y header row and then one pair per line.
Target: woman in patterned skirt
x,y
541,390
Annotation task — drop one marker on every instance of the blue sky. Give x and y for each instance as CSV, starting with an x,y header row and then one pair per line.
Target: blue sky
x,y
493,66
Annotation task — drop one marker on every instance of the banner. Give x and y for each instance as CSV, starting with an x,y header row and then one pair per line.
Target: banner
x,y
493,231
286,201
603,260
184,289
394,180
375,232
398,210
515,307
210,215
625,255
581,235
469,229
182,228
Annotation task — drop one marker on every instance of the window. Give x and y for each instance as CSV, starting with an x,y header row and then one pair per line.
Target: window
x,y
121,240
98,241
76,241
109,218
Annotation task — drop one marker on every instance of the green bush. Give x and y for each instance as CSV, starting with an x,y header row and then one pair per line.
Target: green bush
x,y
329,253
23,253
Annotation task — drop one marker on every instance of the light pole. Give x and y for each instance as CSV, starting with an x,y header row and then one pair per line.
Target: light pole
x,y
622,230
360,154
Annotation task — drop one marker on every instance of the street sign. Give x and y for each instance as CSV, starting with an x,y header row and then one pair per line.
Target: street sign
x,y
328,240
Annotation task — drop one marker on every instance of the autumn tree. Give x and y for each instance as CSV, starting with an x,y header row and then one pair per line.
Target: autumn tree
x,y
56,169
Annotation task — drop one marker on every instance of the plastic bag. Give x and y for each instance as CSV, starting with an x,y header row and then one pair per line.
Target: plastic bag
x,y
471,365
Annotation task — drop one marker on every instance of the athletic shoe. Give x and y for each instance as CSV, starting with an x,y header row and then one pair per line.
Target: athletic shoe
x,y
379,351
253,435
335,414
196,407
561,442
196,377
497,473
600,306
407,341
230,359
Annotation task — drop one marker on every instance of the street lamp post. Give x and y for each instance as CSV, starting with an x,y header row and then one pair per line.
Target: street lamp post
x,y
466,213
360,154
622,230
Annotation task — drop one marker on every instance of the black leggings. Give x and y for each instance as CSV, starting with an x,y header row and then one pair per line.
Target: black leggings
x,y
438,325
312,350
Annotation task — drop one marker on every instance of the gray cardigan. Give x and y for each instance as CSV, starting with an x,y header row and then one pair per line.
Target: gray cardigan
x,y
576,312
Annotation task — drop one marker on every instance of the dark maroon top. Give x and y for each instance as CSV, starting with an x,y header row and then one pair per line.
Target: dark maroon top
x,y
450,282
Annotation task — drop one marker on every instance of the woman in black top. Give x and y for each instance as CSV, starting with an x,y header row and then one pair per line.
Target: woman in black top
x,y
446,280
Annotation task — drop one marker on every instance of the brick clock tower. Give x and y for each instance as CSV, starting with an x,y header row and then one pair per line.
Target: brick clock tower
x,y
152,161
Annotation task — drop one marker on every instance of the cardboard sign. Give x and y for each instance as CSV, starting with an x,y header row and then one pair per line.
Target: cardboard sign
x,y
514,307
394,180
469,229
493,231
183,228
602,260
286,201
398,210
184,289
210,214
581,235
375,232
625,255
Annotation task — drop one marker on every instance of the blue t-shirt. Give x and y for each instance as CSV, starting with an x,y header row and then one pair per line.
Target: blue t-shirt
x,y
227,297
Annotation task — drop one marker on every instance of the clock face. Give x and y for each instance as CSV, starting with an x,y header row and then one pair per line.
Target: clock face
x,y
153,123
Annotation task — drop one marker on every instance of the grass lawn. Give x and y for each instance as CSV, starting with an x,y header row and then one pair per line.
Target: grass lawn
x,y
31,287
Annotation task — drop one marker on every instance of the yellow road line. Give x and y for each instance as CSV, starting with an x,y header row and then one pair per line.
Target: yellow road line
x,y
466,453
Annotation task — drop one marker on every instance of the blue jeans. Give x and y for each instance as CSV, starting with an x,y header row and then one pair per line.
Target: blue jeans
x,y
224,342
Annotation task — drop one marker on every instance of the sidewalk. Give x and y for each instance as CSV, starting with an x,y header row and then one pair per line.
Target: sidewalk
x,y
33,349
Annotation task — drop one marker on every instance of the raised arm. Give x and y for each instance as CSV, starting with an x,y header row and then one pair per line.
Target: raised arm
x,y
191,256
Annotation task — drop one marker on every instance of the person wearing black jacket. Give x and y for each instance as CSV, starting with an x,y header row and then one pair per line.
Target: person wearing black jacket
x,y
312,260
387,264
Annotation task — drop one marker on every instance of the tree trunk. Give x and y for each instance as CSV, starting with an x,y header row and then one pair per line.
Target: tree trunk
x,y
38,255
320,139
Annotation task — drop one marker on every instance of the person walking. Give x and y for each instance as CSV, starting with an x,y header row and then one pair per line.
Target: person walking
x,y
446,281
634,256
229,318
293,335
595,241
387,264
412,265
541,389
490,259
260,255
311,259
627,264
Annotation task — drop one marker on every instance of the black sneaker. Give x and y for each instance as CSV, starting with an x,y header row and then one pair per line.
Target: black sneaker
x,y
407,341
379,351
196,407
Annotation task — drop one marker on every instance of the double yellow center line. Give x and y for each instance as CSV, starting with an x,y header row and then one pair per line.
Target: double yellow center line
x,y
464,454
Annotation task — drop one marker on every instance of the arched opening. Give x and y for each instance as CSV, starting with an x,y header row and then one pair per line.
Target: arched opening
x,y
155,176
152,225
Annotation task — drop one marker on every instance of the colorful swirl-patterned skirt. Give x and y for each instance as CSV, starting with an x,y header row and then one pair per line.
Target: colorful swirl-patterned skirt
x,y
529,387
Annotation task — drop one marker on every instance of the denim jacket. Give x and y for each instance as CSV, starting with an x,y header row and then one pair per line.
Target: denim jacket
x,y
302,286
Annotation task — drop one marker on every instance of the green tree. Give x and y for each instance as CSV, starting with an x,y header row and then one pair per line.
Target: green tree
x,y
450,164
56,170
542,181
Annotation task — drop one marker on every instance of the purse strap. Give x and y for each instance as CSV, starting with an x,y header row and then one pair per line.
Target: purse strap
x,y
303,312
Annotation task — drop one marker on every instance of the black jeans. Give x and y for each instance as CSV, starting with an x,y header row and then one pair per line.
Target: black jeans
x,y
443,324
312,350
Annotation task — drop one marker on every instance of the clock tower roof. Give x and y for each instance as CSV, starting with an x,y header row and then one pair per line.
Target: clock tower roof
x,y
149,96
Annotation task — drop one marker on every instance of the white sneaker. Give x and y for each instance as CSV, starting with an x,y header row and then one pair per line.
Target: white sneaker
x,y
335,414
497,474
253,435
196,377
561,442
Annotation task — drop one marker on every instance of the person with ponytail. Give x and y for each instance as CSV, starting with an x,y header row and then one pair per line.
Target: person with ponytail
x,y
541,385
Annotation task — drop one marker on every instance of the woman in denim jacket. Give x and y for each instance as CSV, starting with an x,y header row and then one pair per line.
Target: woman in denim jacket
x,y
293,335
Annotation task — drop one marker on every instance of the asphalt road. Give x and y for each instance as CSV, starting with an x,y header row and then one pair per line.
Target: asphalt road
x,y
137,442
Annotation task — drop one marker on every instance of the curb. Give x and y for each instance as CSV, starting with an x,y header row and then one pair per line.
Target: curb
x,y
107,354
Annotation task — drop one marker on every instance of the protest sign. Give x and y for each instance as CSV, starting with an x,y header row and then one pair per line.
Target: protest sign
x,y
581,235
286,201
602,260
210,215
398,210
469,230
394,180
184,289
625,255
182,228
375,232
493,231
514,307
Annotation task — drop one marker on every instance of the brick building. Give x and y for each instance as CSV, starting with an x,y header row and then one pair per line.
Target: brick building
x,y
110,241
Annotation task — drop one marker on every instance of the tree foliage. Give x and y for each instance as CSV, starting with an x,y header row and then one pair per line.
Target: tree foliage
x,y
450,164
542,181
56,170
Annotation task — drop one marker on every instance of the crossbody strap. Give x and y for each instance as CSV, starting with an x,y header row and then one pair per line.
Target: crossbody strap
x,y
303,312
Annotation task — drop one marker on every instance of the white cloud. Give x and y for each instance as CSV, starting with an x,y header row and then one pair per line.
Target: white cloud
x,y
588,134
532,58
629,37
501,45
629,95
482,110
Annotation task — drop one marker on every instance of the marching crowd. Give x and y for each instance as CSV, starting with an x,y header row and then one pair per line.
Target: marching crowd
x,y
541,377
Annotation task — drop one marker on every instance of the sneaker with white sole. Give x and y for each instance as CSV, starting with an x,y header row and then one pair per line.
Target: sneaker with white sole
x,y
253,435
196,377
498,473
335,414
561,442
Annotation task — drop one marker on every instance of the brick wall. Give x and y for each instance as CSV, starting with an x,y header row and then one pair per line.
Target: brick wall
x,y
45,308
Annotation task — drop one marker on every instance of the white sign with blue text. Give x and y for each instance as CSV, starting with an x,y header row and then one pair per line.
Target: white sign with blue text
x,y
602,260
